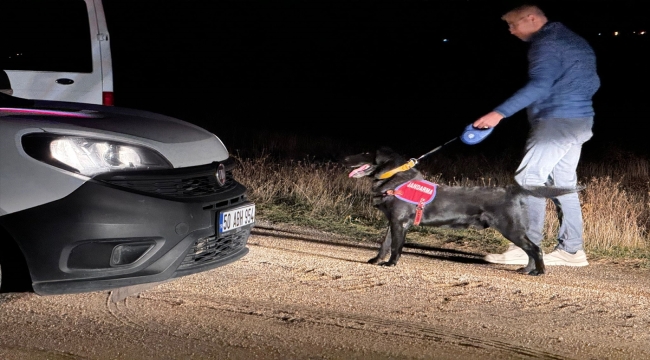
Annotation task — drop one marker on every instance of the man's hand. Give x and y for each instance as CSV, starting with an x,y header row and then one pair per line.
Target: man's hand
x,y
487,121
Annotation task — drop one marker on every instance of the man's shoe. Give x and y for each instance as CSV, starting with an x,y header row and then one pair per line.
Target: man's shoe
x,y
513,256
561,257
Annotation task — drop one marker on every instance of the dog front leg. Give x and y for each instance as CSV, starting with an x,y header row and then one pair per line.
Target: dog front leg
x,y
398,237
383,250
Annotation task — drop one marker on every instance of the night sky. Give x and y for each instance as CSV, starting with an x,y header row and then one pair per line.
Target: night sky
x,y
413,72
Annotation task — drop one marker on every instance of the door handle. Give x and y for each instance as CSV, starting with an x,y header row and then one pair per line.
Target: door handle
x,y
64,81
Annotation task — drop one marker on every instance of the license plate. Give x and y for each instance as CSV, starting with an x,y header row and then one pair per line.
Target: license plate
x,y
236,218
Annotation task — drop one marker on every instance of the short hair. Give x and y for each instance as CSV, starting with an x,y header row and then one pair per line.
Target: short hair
x,y
524,10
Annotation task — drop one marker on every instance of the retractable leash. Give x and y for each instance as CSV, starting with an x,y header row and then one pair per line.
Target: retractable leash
x,y
470,136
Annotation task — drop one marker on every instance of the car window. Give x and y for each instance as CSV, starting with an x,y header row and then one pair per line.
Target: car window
x,y
45,35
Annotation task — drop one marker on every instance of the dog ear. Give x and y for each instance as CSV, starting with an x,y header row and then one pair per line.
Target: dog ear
x,y
385,150
385,154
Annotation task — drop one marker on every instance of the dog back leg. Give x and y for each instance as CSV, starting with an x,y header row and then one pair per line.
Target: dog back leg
x,y
517,235
383,250
535,256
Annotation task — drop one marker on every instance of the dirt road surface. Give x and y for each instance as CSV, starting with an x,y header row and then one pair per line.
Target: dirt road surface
x,y
300,295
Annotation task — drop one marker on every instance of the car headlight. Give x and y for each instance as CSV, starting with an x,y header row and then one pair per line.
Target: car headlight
x,y
91,156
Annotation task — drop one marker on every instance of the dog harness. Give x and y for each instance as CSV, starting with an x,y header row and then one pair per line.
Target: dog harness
x,y
418,192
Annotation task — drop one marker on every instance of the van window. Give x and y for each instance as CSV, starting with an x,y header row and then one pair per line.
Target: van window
x,y
45,35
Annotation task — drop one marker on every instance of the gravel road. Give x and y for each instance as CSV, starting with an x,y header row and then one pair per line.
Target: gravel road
x,y
307,295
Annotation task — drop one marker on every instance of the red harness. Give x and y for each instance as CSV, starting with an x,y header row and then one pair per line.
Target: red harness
x,y
418,192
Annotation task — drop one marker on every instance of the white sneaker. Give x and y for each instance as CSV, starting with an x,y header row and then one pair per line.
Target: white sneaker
x,y
513,256
561,257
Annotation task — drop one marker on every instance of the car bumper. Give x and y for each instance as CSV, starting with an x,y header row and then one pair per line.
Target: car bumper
x,y
104,236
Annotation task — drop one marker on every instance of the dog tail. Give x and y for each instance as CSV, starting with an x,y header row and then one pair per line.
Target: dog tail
x,y
549,191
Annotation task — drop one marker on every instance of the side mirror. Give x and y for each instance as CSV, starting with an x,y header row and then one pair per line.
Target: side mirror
x,y
5,84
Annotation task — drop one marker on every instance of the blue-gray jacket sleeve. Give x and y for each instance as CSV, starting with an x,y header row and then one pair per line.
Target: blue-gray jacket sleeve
x,y
544,68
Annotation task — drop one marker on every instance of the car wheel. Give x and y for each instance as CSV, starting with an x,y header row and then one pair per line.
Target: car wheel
x,y
14,273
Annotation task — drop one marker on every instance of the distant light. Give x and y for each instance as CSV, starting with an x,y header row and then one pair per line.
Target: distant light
x,y
445,40
615,33
600,34
642,32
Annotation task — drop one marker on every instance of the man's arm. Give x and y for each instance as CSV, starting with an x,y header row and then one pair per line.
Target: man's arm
x,y
545,67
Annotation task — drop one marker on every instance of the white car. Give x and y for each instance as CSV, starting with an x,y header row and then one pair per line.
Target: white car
x,y
97,197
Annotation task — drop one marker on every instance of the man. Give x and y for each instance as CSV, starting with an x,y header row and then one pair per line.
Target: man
x,y
558,99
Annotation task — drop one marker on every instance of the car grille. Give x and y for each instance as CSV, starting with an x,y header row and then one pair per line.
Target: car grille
x,y
210,249
173,186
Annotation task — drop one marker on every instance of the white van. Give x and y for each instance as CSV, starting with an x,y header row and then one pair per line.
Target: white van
x,y
56,50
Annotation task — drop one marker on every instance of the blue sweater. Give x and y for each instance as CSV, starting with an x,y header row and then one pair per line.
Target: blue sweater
x,y
562,76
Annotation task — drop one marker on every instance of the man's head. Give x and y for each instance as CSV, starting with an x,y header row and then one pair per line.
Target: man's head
x,y
524,21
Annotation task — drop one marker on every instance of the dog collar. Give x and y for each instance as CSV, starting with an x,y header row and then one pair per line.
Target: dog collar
x,y
411,163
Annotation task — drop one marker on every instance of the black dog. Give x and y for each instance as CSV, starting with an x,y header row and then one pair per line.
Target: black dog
x,y
500,208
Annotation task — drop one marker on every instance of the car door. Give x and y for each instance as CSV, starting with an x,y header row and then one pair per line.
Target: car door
x,y
52,49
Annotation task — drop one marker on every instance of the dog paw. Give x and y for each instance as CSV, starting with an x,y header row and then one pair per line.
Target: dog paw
x,y
388,263
374,260
532,272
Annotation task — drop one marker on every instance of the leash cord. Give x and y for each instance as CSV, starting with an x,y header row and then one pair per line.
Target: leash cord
x,y
434,150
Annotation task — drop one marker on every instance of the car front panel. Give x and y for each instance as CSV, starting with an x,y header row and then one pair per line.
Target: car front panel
x,y
122,229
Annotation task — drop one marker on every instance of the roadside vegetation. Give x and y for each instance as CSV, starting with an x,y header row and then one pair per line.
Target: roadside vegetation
x,y
291,183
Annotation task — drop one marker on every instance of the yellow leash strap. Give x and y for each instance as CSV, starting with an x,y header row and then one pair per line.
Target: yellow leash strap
x,y
411,163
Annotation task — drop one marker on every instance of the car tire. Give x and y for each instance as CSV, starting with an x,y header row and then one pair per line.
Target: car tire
x,y
14,273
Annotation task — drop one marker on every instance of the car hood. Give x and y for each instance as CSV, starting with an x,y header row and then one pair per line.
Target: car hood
x,y
182,143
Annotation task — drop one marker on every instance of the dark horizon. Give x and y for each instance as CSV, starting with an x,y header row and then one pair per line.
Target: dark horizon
x,y
337,68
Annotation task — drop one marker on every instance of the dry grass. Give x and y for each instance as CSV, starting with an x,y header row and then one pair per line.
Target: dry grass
x,y
312,188
615,202
614,218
